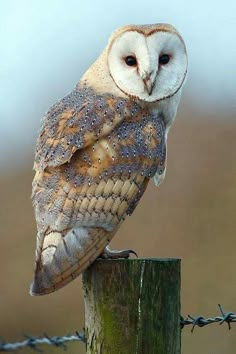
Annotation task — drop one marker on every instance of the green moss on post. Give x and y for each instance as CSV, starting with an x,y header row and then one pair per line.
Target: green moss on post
x,y
132,306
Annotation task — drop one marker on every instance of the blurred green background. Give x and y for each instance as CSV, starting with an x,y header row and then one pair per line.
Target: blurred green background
x,y
46,46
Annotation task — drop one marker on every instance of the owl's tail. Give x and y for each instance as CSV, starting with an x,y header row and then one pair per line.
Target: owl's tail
x,y
61,258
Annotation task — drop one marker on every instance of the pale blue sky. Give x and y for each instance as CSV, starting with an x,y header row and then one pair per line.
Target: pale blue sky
x,y
45,46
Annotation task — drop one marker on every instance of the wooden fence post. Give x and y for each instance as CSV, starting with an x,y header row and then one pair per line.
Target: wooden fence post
x,y
132,306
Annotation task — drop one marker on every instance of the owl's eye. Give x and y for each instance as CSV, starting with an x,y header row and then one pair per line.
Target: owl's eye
x,y
164,59
131,60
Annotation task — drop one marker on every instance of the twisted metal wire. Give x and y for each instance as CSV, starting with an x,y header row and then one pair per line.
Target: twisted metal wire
x,y
200,321
61,342
34,342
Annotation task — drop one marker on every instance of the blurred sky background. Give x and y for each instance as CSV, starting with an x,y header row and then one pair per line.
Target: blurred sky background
x,y
45,46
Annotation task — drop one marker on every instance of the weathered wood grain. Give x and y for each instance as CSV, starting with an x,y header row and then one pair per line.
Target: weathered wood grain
x,y
133,306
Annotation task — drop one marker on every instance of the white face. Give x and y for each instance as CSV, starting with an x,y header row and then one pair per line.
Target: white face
x,y
150,68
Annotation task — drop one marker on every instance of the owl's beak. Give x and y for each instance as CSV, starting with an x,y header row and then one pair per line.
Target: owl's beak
x,y
148,84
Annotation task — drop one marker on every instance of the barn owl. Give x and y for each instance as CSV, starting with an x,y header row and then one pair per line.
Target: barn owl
x,y
98,148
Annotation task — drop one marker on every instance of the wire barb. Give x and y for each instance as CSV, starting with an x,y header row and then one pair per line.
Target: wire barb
x,y
200,321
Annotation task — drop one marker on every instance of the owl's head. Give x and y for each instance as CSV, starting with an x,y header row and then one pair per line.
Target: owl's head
x,y
148,62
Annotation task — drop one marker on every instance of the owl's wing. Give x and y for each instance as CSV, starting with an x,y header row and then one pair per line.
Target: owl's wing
x,y
75,122
79,205
83,219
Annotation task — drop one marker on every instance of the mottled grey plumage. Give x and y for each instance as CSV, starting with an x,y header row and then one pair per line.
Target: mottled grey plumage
x,y
84,114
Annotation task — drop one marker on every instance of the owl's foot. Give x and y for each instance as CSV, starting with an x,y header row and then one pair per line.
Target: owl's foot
x,y
114,254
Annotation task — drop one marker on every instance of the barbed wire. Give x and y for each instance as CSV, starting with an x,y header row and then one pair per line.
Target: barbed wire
x,y
200,321
61,342
34,342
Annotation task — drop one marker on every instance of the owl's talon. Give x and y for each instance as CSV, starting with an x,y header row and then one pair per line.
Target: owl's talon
x,y
133,252
114,254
